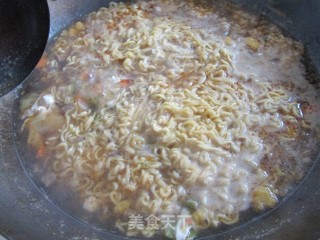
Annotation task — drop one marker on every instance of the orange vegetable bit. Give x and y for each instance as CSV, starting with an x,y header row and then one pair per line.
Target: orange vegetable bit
x,y
79,98
82,101
41,151
307,108
111,25
42,62
97,88
84,76
126,83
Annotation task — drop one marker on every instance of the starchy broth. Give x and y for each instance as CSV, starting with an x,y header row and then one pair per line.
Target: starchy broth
x,y
170,108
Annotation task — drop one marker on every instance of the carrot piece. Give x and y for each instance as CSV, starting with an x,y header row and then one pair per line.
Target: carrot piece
x,y
307,108
84,76
82,101
97,88
111,25
41,151
126,83
42,62
77,97
80,98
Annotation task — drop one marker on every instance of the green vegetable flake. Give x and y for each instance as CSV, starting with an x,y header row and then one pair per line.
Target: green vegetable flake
x,y
192,234
190,205
170,233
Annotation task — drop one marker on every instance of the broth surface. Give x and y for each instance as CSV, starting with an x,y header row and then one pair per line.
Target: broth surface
x,y
173,113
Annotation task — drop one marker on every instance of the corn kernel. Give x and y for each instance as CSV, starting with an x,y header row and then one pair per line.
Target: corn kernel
x,y
72,32
252,43
122,206
80,26
263,198
129,55
228,41
200,217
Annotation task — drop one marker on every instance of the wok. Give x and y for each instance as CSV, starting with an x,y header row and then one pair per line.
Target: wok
x,y
24,28
26,213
